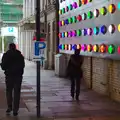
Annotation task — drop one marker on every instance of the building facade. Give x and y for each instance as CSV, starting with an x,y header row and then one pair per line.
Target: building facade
x,y
48,24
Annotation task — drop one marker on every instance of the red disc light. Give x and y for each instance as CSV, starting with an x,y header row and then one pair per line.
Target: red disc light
x,y
79,17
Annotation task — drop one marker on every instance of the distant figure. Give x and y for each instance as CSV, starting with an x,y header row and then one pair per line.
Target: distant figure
x,y
13,64
74,71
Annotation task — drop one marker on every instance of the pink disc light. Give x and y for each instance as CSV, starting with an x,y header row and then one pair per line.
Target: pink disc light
x,y
83,47
89,31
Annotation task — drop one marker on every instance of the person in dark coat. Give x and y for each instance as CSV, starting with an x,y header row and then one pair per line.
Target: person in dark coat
x,y
74,71
13,65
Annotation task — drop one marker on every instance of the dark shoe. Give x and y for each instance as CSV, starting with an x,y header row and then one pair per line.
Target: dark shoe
x,y
8,111
15,113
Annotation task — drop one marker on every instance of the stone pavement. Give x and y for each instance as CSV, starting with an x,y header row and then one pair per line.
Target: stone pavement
x,y
56,101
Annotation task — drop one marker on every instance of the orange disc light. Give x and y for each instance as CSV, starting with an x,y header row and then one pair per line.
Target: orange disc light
x,y
89,48
112,8
102,48
79,46
66,47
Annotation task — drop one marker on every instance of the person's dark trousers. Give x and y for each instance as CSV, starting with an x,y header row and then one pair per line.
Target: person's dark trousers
x,y
13,90
75,83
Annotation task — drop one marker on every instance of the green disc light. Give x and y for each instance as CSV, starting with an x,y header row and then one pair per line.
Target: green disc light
x,y
90,15
70,7
63,46
63,10
103,11
74,19
111,49
79,32
79,3
70,20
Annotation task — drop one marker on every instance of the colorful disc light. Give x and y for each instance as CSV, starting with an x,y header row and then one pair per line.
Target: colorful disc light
x,y
75,5
111,28
79,17
70,34
70,7
60,35
79,32
63,23
118,49
84,32
84,2
96,13
79,3
66,22
84,16
89,31
89,0
66,47
103,11
60,12
119,27
90,15
69,47
96,48
74,19
67,9
66,34
112,8
96,30
70,20
63,47
74,33
63,35
63,10
89,48
79,47
102,48
103,29
111,49
118,6
84,47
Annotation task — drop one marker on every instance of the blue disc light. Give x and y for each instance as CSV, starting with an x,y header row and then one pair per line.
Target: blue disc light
x,y
103,29
118,6
84,32
66,22
63,35
60,46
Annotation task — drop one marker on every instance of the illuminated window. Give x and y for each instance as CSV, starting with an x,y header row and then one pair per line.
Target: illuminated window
x,y
84,16
103,11
89,31
96,30
112,8
89,48
96,48
75,5
111,49
84,47
96,13
79,32
111,28
84,32
79,17
103,29
90,15
102,48
119,27
74,19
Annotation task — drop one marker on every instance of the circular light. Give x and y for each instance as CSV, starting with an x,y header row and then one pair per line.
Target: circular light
x,y
111,49
60,35
96,30
89,48
96,13
79,32
118,6
89,15
74,46
84,47
96,48
67,8
70,34
74,19
84,32
69,47
79,3
79,47
103,29
89,31
79,17
75,5
84,16
118,49
66,22
60,12
111,28
60,23
119,27
60,46
70,7
84,2
103,11
70,20
74,33
89,0
63,23
63,46
63,35
66,34
102,48
112,8
63,10
66,47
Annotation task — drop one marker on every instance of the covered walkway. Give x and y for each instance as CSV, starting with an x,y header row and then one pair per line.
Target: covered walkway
x,y
56,102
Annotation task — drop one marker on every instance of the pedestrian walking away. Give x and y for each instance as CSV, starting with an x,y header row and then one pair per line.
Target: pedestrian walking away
x,y
75,73
13,65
